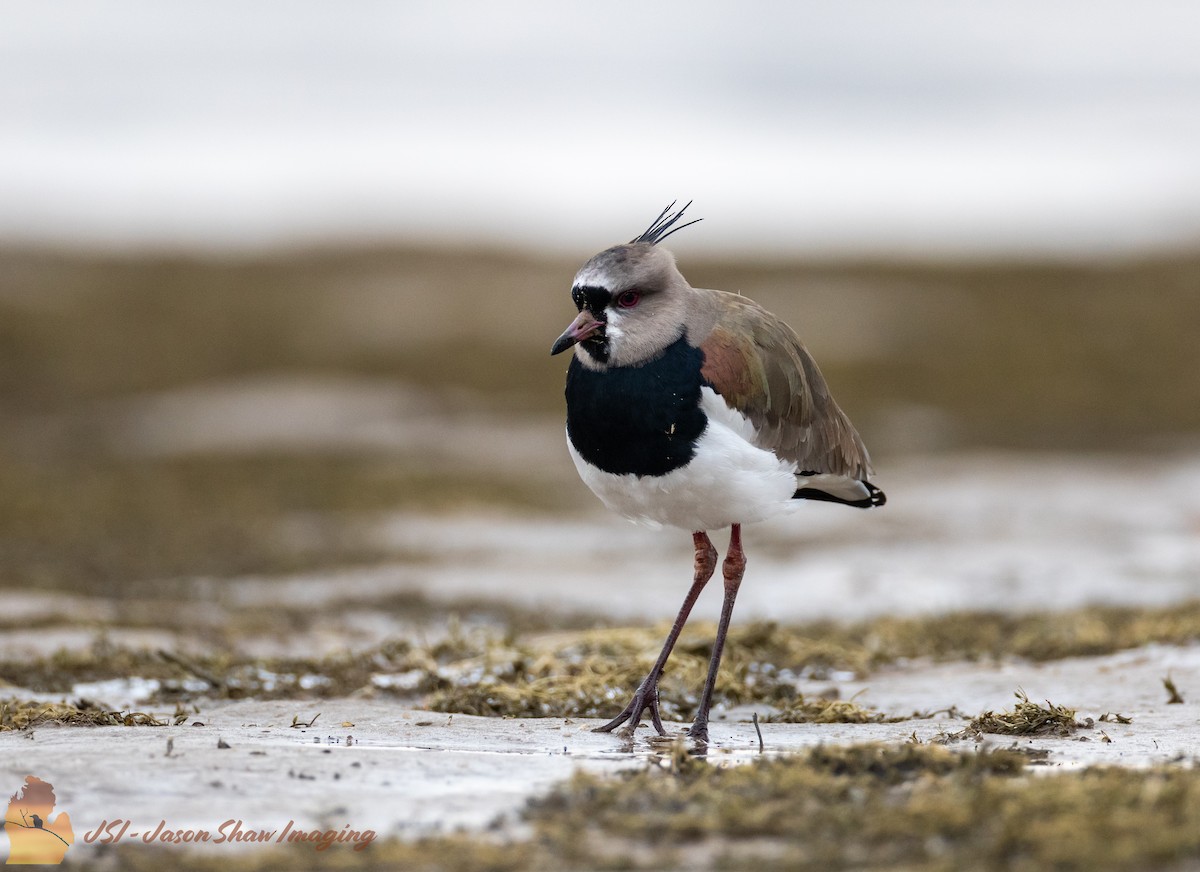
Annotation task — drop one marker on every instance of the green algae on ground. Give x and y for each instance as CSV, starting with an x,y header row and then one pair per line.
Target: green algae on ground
x,y
481,672
502,663
586,674
817,800
803,710
591,674
484,672
1041,636
918,807
453,853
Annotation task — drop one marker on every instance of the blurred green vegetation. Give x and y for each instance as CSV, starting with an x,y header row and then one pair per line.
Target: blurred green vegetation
x,y
1021,355
922,355
101,524
1026,356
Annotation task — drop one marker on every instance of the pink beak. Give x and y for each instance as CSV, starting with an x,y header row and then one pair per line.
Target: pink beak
x,y
581,328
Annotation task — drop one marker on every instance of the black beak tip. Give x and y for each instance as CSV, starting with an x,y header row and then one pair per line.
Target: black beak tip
x,y
561,345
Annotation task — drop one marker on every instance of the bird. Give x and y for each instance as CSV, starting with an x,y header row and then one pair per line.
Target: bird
x,y
696,409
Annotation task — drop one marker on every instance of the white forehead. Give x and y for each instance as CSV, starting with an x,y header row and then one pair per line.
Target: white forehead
x,y
616,268
595,275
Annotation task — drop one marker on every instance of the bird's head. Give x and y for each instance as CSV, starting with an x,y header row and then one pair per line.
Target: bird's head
x,y
632,300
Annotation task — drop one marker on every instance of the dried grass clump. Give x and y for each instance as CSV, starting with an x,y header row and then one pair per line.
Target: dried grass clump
x,y
16,714
1029,719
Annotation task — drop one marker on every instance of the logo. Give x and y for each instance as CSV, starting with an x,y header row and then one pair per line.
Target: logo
x,y
33,837
37,836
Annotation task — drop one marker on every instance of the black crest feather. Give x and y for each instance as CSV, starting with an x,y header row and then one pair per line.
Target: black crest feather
x,y
662,226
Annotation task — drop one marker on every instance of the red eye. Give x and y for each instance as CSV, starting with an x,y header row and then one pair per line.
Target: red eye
x,y
628,299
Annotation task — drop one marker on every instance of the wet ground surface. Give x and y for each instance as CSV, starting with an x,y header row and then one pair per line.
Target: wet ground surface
x,y
265,460
364,764
1025,533
982,531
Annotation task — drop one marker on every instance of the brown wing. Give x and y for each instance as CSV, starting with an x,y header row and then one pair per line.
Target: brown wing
x,y
758,365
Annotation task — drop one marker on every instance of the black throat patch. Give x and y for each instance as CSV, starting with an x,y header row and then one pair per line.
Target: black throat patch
x,y
595,300
643,419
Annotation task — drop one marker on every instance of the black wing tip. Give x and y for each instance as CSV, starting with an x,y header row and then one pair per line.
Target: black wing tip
x,y
874,499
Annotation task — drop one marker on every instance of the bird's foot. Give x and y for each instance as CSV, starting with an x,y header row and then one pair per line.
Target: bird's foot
x,y
698,732
645,698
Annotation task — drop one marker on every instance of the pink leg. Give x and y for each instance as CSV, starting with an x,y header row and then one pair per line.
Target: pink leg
x,y
733,569
646,696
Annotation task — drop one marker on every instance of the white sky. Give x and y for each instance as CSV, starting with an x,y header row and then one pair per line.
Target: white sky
x,y
923,127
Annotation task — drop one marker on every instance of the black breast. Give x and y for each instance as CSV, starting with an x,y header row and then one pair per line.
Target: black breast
x,y
640,419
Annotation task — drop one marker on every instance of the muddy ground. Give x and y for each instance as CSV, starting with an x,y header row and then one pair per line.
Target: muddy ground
x,y
243,495
378,765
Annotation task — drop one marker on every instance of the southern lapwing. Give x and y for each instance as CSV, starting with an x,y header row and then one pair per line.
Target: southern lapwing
x,y
697,409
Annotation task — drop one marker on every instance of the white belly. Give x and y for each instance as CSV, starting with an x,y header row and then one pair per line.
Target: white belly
x,y
728,481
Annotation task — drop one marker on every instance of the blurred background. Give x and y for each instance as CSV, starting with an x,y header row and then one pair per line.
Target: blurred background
x,y
278,282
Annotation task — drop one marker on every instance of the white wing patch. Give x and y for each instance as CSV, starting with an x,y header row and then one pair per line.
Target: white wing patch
x,y
843,487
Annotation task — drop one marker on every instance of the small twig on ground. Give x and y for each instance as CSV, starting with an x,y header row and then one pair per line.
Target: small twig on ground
x,y
198,671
